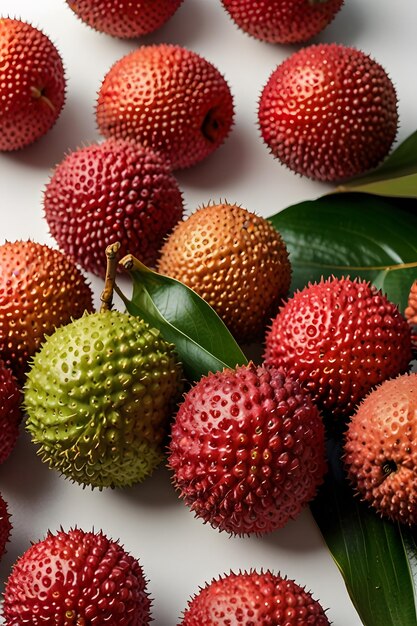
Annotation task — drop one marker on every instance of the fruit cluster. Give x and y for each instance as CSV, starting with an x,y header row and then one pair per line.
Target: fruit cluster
x,y
101,390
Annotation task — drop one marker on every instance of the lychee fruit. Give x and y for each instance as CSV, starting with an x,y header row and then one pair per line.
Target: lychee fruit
x,y
76,578
114,191
10,413
32,84
40,289
169,99
247,449
254,599
5,526
339,338
99,397
329,112
282,21
381,449
233,259
125,18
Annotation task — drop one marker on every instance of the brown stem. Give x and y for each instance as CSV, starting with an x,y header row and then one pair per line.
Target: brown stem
x,y
38,94
107,293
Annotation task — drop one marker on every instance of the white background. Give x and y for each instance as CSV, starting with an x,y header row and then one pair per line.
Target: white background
x,y
178,552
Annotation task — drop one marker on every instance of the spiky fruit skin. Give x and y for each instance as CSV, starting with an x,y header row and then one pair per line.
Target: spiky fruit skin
x,y
114,191
381,449
40,289
247,449
252,598
5,526
169,99
32,84
99,396
233,259
10,413
282,21
73,578
329,112
339,338
125,18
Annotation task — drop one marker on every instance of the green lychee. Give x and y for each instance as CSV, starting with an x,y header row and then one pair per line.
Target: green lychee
x,y
99,397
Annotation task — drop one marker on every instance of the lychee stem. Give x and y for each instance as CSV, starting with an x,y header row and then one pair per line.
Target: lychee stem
x,y
37,93
107,293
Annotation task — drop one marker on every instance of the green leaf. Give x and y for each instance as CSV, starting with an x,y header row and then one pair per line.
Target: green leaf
x,y
373,555
397,176
203,342
359,235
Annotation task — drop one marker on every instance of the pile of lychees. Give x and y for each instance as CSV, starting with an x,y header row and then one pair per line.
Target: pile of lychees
x,y
103,392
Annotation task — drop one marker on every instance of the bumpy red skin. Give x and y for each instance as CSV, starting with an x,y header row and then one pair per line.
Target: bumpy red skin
x,y
10,413
76,578
125,18
40,289
31,67
114,191
329,112
5,526
381,449
254,599
247,449
282,21
169,99
339,338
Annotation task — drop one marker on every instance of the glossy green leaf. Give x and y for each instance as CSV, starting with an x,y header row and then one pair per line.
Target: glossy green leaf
x,y
203,342
373,555
359,235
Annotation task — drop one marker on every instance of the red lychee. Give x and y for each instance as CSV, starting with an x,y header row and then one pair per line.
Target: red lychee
x,y
5,526
10,413
247,449
125,18
339,338
282,21
169,99
254,599
76,578
40,290
32,84
381,449
329,112
114,191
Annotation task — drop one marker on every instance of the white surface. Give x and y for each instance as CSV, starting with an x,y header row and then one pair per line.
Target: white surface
x,y
178,552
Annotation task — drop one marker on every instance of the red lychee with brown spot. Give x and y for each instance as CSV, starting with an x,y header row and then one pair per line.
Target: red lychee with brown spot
x,y
381,449
40,290
10,413
339,338
247,449
254,599
113,191
124,18
329,112
169,99
282,21
5,526
76,577
32,84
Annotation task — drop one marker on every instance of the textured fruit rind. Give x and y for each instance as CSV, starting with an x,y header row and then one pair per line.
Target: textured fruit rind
x,y
252,599
329,112
247,449
32,84
381,449
127,19
114,191
5,526
339,338
40,289
10,413
76,578
99,396
167,98
282,21
235,260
